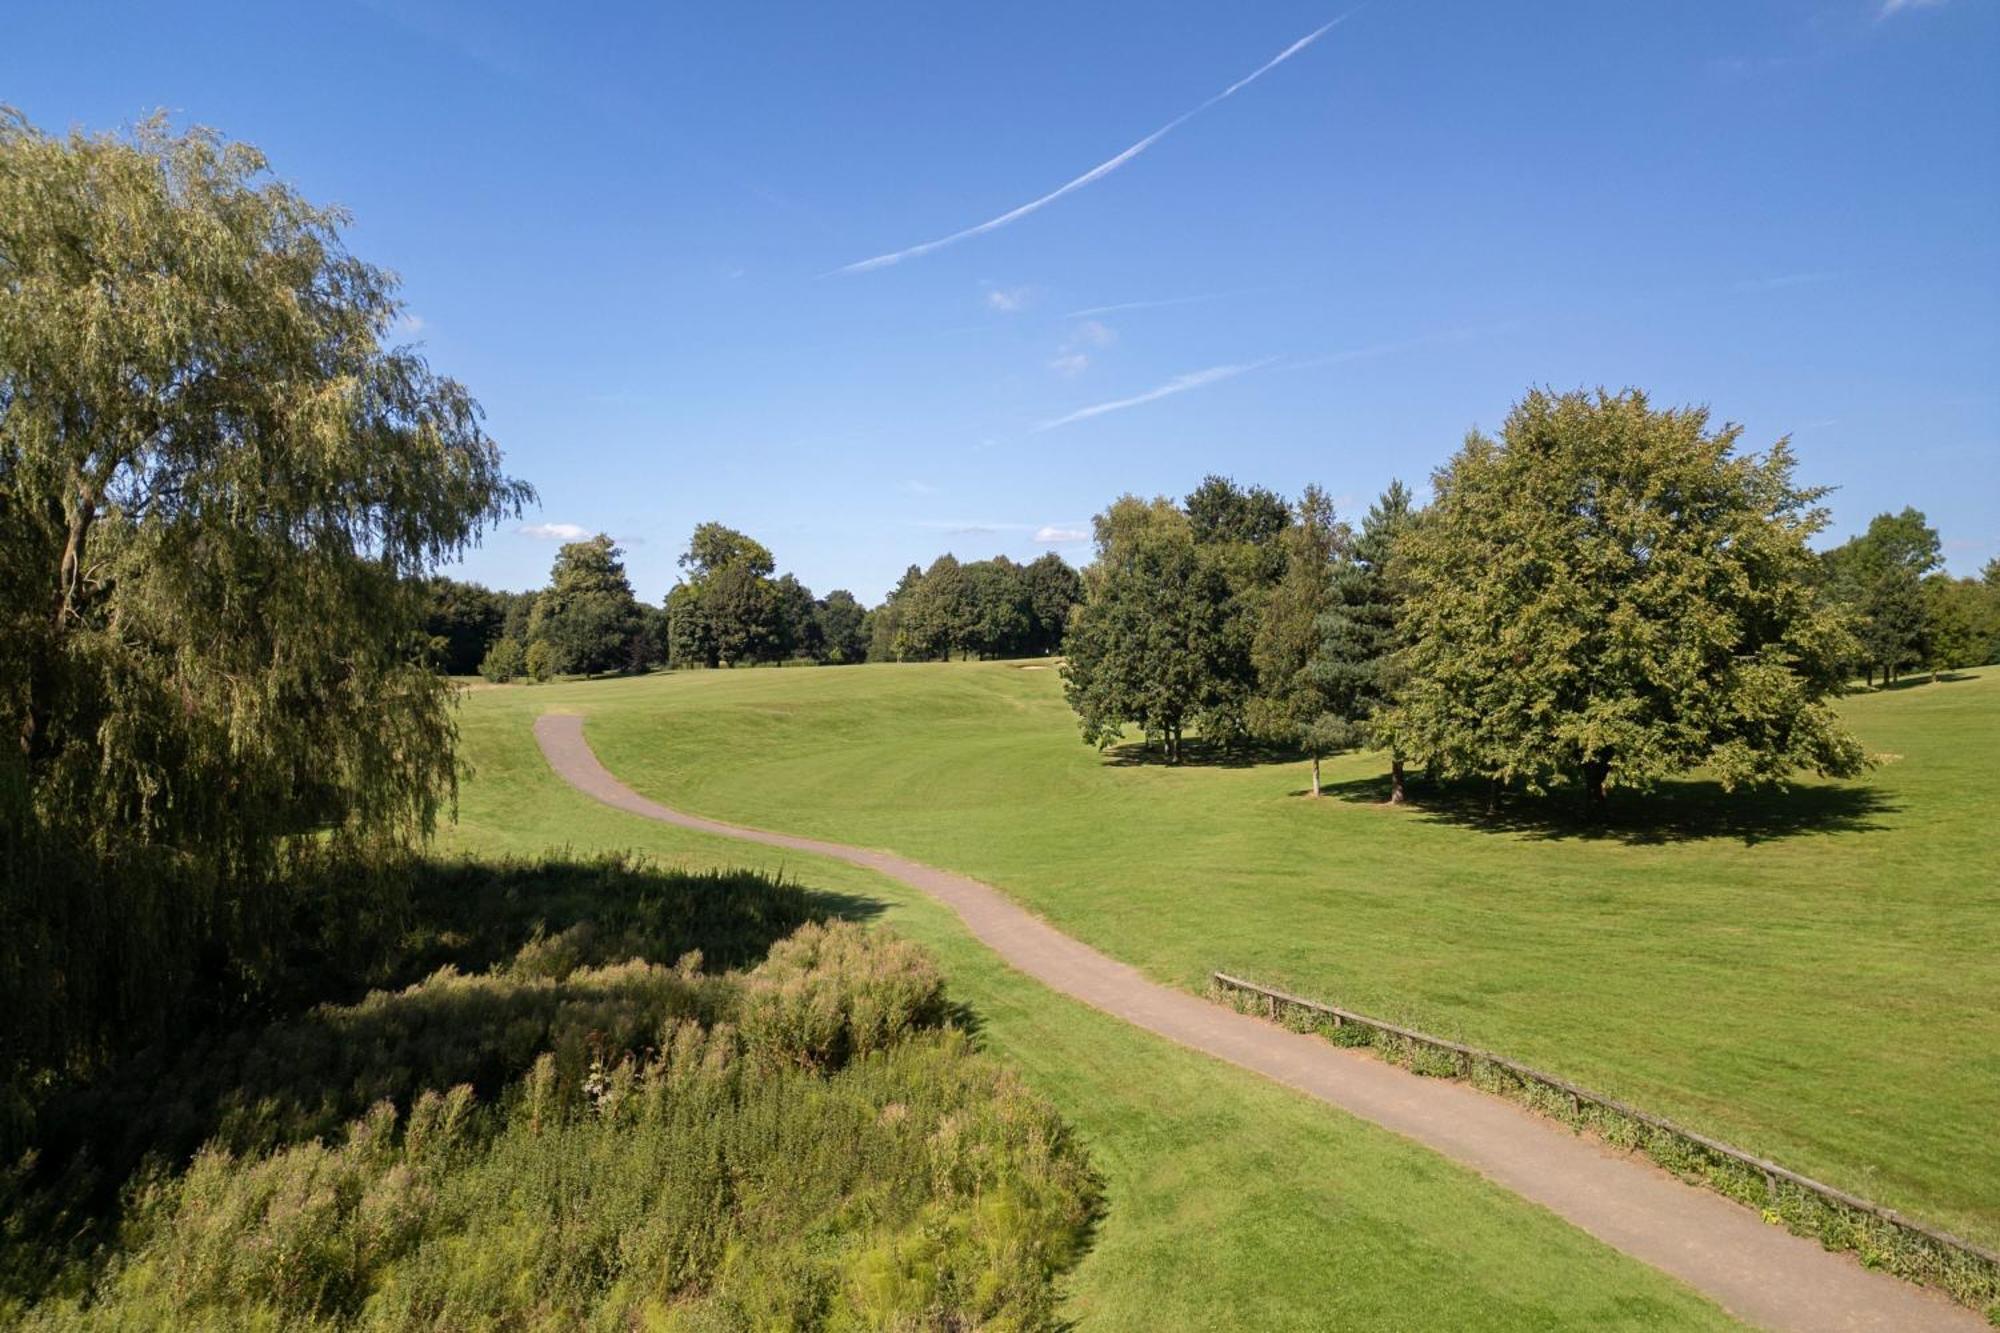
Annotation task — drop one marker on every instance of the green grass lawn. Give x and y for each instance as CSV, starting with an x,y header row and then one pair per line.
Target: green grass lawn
x,y
1813,976
1232,1202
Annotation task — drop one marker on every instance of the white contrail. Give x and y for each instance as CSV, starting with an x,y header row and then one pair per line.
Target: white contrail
x,y
1102,169
1178,384
1157,304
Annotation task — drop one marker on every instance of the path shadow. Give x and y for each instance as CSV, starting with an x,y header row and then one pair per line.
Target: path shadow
x,y
1692,810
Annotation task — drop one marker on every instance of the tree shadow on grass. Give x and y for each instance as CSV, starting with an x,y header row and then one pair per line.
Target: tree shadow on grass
x,y
1916,682
1691,810
1196,753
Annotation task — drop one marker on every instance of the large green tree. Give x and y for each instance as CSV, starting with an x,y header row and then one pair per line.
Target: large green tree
x,y
1154,644
1001,617
1961,623
222,487
1357,666
1879,577
588,615
1292,705
937,615
842,628
733,612
1051,588
1611,593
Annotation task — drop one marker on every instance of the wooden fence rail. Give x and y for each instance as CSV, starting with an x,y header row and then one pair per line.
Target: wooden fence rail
x,y
1275,1001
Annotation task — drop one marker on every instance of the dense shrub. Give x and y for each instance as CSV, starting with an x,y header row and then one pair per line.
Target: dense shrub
x,y
503,661
830,993
555,1129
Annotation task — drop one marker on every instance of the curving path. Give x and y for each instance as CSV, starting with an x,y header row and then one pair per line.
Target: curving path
x,y
1759,1273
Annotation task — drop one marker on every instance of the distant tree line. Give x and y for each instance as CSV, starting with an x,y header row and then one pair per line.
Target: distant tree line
x,y
731,608
1606,594
987,608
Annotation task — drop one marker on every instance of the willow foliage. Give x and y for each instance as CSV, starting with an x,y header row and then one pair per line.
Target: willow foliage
x,y
219,481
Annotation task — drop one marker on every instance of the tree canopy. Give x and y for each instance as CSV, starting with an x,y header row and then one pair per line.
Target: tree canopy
x,y
1293,705
1611,592
1357,663
1879,577
1155,643
588,615
222,487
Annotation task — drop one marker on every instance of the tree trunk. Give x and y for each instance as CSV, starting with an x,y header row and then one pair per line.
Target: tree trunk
x,y
1594,773
1396,780
1315,776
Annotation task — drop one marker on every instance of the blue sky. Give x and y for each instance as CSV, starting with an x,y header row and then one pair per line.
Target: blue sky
x,y
631,230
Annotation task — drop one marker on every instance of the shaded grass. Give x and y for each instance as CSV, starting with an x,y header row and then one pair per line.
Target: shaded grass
x,y
1812,975
1231,1203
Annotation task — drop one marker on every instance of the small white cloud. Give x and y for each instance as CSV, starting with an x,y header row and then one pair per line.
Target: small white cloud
x,y
915,487
1898,6
1057,534
1091,333
1071,358
1008,300
554,532
408,324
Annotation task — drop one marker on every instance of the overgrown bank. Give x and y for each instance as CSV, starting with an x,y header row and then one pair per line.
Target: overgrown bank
x,y
596,1128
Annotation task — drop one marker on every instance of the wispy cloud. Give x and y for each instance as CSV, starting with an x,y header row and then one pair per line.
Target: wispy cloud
x,y
1091,333
1161,303
1098,172
1196,379
1072,358
554,532
408,324
915,487
1780,281
958,527
1372,350
475,31
1059,534
1008,300
1898,6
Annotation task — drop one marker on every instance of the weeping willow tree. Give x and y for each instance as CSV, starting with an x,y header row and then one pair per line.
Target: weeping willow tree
x,y
220,481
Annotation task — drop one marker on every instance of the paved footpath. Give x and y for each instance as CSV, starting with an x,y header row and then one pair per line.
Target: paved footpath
x,y
1759,1273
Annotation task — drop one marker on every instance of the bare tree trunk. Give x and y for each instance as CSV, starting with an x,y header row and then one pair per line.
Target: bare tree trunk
x,y
1396,780
1315,776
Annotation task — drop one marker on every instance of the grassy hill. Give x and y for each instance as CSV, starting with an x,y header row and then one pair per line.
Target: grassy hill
x,y
1230,1202
1814,975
